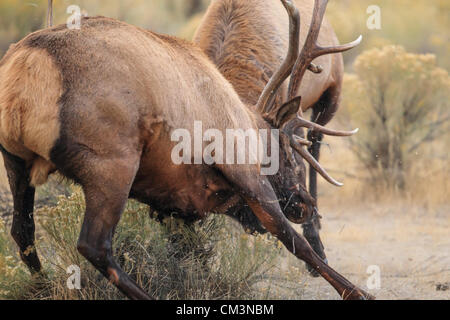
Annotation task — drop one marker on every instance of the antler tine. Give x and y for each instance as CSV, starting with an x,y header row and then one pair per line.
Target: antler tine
x,y
311,50
340,48
298,143
266,99
313,162
50,13
299,122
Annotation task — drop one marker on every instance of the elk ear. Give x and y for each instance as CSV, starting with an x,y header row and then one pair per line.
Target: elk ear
x,y
286,111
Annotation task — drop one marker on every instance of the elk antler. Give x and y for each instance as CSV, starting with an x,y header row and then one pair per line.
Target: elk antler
x,y
298,143
282,117
50,13
311,50
266,99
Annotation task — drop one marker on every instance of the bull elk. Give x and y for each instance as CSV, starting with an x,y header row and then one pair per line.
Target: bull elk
x,y
247,40
99,105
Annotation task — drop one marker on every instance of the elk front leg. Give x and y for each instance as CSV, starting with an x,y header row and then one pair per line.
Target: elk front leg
x,y
106,194
23,226
273,220
311,233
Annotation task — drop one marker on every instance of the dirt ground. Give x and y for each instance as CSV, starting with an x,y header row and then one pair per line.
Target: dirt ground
x,y
410,246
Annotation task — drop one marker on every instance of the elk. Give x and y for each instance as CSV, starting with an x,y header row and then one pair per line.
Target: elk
x,y
247,40
99,105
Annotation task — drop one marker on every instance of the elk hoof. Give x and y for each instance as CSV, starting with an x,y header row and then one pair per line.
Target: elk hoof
x,y
360,295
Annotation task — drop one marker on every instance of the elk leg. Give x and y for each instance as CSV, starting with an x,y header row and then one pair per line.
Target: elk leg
x,y
316,140
323,112
311,233
106,194
23,226
311,229
273,220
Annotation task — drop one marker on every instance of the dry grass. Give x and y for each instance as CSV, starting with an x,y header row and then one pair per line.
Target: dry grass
x,y
214,260
3,177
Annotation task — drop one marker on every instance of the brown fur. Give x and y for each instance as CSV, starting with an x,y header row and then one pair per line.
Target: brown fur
x,y
248,39
40,170
265,218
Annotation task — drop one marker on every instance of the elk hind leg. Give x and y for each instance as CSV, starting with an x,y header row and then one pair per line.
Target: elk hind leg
x,y
23,226
323,112
311,229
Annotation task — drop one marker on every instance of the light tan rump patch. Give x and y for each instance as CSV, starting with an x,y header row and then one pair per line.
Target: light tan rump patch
x,y
30,87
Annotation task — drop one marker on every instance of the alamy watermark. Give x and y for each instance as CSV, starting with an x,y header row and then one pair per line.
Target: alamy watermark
x,y
234,146
74,280
374,20
374,280
74,20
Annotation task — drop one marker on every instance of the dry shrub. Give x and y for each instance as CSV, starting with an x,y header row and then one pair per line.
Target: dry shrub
x,y
210,260
400,102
